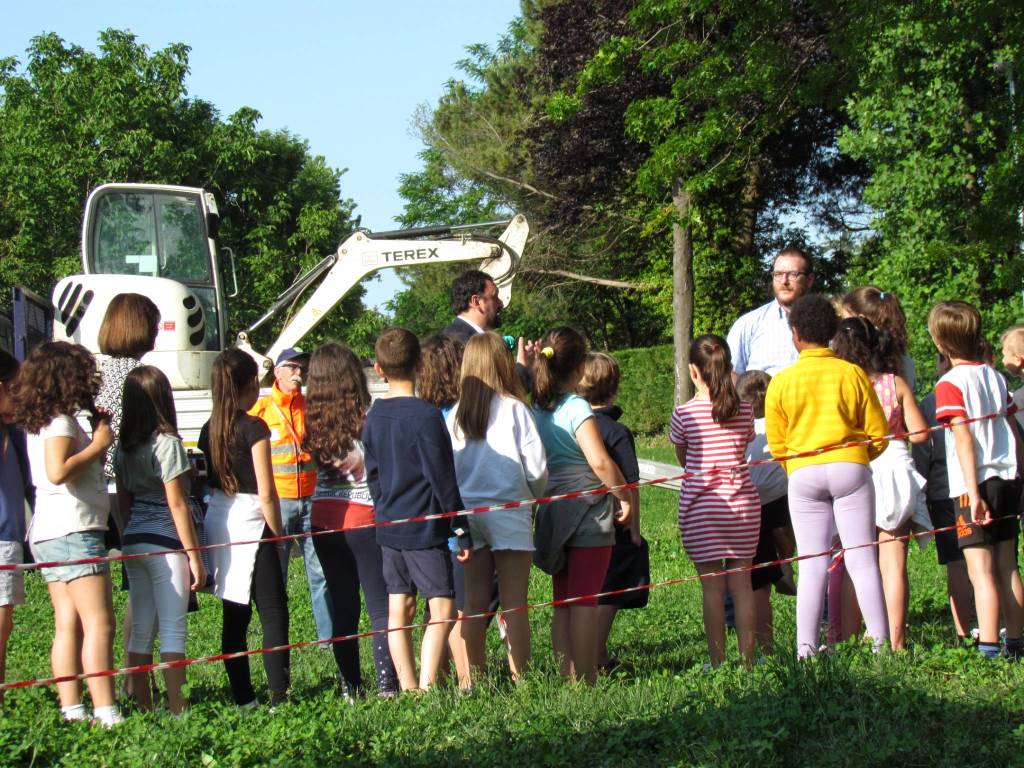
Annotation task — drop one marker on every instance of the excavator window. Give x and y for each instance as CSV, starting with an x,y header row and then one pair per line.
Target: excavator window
x,y
159,235
156,234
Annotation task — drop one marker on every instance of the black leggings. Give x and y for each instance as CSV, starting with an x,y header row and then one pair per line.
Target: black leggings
x,y
349,560
271,600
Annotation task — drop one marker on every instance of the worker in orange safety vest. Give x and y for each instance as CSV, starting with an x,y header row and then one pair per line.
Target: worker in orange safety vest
x,y
284,412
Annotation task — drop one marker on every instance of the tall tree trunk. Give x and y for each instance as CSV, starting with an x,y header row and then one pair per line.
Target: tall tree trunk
x,y
682,290
750,203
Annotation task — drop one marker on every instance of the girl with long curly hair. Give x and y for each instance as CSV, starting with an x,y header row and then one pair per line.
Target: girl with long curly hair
x,y
244,507
56,382
337,398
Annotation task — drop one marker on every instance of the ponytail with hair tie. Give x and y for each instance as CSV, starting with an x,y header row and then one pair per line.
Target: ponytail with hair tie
x,y
883,310
712,359
564,350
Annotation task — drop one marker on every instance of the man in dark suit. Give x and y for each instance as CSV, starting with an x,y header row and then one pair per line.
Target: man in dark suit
x,y
476,304
478,307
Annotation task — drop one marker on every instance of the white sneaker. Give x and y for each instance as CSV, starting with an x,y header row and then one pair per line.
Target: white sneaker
x,y
108,717
75,712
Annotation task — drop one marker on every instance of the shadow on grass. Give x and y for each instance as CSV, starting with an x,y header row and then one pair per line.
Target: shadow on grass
x,y
818,713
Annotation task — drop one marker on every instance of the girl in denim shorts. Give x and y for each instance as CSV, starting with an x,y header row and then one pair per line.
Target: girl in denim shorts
x,y
56,382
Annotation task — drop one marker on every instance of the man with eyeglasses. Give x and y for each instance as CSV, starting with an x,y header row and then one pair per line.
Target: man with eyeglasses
x,y
761,340
284,411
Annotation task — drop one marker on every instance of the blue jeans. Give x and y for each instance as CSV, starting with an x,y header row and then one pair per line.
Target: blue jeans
x,y
295,518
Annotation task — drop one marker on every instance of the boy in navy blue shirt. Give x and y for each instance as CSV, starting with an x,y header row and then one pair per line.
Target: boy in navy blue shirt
x,y
411,471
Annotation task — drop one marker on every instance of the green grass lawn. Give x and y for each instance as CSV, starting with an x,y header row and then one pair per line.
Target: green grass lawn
x,y
934,705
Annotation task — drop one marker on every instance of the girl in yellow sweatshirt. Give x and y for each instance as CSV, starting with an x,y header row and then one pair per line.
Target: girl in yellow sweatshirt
x,y
818,402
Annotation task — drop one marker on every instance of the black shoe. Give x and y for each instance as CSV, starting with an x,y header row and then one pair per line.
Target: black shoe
x,y
611,666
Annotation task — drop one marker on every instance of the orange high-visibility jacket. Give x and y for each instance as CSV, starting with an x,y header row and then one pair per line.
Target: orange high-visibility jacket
x,y
294,469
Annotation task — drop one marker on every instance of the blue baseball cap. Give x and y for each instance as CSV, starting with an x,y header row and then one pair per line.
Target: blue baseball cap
x,y
292,355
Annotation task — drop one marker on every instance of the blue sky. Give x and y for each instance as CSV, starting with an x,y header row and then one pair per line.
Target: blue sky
x,y
347,76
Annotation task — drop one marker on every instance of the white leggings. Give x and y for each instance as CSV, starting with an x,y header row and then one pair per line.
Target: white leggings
x,y
157,592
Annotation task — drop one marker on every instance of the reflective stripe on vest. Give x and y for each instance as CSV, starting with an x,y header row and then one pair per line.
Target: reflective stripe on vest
x,y
294,469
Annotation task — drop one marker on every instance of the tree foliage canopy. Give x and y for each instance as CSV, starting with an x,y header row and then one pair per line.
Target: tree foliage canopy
x,y
71,119
663,150
932,119
879,135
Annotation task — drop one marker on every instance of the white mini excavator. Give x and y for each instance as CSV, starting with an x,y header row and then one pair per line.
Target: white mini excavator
x,y
160,241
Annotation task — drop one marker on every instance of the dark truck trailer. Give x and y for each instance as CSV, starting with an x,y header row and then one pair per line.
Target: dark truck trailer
x,y
6,331
27,322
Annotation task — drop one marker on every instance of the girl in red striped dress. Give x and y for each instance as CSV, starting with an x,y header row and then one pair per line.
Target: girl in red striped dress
x,y
719,511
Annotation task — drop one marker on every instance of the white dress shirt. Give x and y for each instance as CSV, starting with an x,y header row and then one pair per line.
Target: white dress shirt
x,y
762,341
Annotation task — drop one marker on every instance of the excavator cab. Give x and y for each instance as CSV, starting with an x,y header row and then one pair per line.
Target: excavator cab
x,y
157,240
159,231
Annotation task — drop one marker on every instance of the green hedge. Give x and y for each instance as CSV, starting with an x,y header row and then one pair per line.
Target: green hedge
x,y
646,388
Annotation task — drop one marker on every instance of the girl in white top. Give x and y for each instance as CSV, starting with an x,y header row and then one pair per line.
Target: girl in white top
x,y
499,457
56,382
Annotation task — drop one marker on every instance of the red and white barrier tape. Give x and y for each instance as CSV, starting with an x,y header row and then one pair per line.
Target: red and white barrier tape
x,y
141,668
507,505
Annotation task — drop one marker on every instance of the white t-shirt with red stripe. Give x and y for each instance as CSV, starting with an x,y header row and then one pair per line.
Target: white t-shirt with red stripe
x,y
967,391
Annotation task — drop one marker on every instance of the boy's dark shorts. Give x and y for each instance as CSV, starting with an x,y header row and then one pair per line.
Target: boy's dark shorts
x,y
427,572
774,514
943,514
629,567
1003,499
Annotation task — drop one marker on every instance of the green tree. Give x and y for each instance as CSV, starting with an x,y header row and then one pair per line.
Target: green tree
x,y
479,132
933,121
736,109
71,119
437,194
659,149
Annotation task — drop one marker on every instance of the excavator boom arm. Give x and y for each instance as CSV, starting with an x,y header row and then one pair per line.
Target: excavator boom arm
x,y
363,253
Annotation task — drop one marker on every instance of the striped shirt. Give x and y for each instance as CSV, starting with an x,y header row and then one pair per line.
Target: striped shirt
x,y
342,498
761,340
968,390
143,473
719,512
